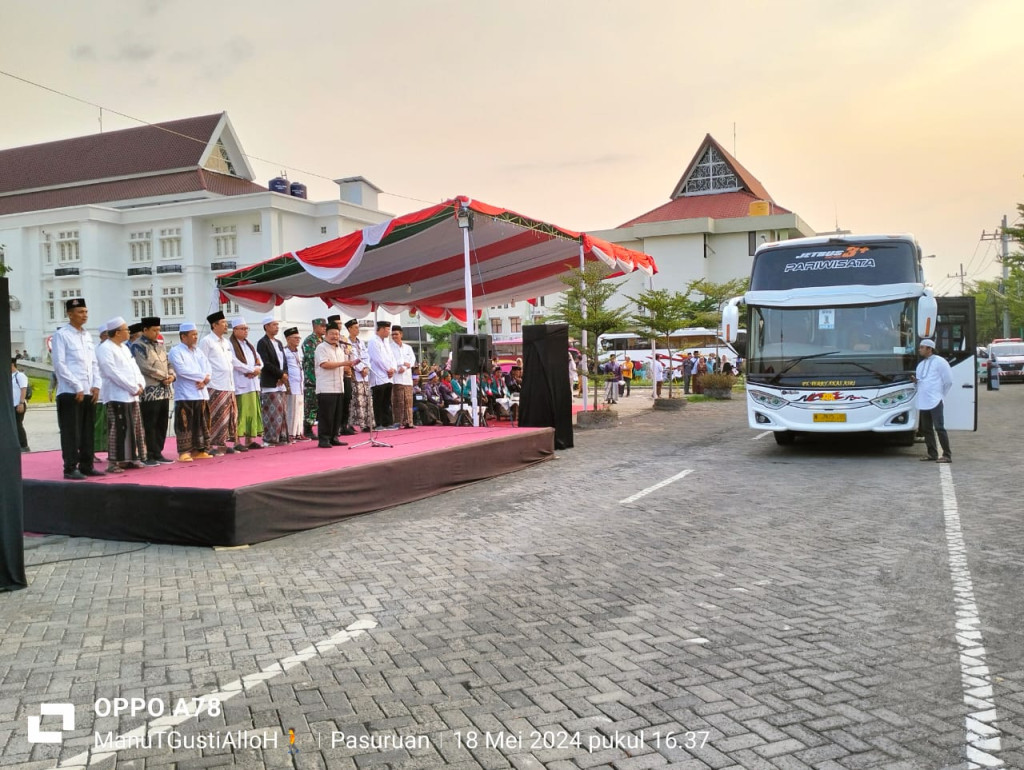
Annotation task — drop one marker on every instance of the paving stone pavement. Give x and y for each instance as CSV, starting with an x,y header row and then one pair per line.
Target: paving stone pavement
x,y
776,608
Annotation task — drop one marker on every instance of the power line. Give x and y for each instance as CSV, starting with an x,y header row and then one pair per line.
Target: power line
x,y
159,127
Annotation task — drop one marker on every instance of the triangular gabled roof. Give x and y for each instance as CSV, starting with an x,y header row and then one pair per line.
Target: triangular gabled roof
x,y
712,155
178,145
715,186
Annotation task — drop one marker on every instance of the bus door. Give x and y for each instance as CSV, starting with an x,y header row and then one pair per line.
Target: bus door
x,y
955,341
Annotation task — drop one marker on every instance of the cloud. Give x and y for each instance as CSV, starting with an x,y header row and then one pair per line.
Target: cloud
x,y
83,53
133,52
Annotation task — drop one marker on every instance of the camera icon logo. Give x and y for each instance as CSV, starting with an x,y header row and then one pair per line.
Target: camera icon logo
x,y
66,711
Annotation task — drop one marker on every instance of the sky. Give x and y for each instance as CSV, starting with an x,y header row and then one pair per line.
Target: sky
x,y
878,116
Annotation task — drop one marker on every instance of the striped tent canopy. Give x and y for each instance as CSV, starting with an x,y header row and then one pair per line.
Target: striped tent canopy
x,y
416,262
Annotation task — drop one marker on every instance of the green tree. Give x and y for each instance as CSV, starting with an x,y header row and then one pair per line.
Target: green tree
x,y
584,307
660,313
441,336
706,309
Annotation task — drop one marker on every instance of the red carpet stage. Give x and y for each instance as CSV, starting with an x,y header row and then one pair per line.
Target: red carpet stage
x,y
248,498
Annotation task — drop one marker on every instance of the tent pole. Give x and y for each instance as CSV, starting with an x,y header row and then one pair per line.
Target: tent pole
x,y
583,336
470,319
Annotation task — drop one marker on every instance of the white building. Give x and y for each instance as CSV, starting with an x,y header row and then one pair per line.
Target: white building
x,y
141,221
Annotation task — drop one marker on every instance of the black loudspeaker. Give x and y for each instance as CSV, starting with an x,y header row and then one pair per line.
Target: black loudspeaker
x,y
470,353
546,397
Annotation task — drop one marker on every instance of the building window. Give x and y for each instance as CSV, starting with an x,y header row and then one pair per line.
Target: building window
x,y
711,175
515,324
230,309
141,246
219,160
51,306
67,244
170,243
225,241
540,301
174,301
142,302
495,326
46,249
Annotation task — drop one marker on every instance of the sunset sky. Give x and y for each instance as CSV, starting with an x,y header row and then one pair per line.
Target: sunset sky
x,y
886,116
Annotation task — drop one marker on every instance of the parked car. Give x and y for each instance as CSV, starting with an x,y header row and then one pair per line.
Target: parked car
x,y
1008,355
982,359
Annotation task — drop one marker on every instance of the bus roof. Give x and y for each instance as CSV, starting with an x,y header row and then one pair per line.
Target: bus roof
x,y
824,240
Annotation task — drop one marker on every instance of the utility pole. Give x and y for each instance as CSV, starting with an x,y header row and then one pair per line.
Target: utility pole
x,y
961,275
1004,237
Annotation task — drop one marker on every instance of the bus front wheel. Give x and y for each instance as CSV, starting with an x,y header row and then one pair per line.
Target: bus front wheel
x,y
784,437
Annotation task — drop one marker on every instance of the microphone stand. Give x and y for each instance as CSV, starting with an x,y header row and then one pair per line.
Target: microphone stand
x,y
372,441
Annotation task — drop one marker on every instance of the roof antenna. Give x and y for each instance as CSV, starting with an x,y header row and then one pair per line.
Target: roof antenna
x,y
101,120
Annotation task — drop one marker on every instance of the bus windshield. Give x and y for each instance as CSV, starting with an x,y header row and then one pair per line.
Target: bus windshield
x,y
872,263
859,345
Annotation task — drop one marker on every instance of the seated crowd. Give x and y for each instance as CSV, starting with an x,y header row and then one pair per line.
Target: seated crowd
x,y
231,396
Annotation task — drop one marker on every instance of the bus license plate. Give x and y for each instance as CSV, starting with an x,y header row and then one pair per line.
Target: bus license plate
x,y
830,417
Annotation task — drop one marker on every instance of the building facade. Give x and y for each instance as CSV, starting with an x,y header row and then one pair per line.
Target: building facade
x,y
141,221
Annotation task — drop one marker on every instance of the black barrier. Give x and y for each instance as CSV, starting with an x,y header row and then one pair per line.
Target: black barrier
x,y
12,545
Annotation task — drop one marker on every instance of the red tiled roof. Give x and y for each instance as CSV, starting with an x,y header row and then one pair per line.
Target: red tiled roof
x,y
147,149
127,189
717,206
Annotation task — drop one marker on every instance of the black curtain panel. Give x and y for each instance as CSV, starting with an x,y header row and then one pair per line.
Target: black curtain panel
x,y
546,399
12,545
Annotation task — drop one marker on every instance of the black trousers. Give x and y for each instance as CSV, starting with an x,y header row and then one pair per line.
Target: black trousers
x,y
75,421
20,418
382,405
154,424
346,403
328,415
934,419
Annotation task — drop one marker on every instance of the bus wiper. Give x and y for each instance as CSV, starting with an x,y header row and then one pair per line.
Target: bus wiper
x,y
774,380
881,375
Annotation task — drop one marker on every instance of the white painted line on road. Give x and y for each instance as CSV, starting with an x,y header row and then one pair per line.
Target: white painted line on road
x,y
983,737
659,485
762,435
164,724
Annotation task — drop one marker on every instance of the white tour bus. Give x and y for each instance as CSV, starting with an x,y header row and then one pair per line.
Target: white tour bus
x,y
832,330
638,347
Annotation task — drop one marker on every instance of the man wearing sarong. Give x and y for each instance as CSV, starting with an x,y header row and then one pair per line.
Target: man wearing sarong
x,y
401,390
223,407
191,396
246,366
273,385
361,407
309,374
122,384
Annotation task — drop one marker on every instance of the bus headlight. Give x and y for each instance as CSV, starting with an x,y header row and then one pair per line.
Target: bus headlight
x,y
767,399
894,399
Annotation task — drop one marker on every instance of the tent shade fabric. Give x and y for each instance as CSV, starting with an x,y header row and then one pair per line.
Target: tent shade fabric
x,y
416,262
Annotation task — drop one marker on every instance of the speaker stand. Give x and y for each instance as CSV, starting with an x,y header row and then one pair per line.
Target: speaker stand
x,y
372,440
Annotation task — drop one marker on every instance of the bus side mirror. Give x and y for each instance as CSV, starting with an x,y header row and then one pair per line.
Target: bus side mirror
x,y
730,322
927,315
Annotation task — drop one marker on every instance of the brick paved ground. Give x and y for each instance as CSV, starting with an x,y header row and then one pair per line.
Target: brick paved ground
x,y
776,608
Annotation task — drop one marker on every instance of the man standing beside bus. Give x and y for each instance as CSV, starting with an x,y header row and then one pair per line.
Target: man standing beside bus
x,y
934,380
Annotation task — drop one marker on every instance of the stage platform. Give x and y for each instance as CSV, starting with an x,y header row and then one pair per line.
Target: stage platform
x,y
248,498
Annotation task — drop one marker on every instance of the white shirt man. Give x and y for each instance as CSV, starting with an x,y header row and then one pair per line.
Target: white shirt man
x,y
382,369
223,407
78,390
401,393
934,380
191,396
330,362
123,384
